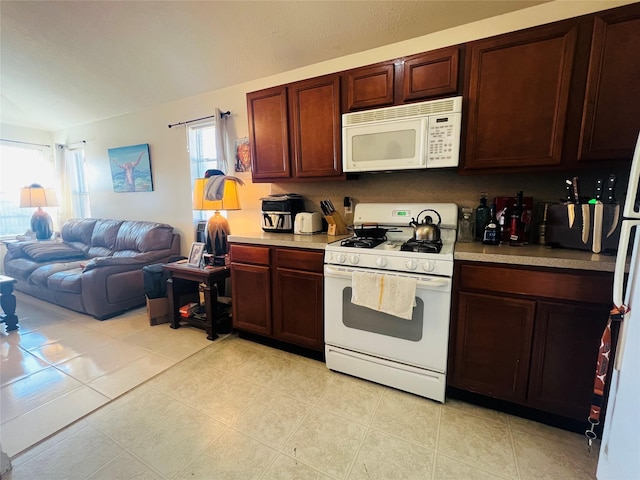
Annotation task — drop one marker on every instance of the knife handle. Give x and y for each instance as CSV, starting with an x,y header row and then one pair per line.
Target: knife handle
x,y
611,188
569,191
576,190
599,184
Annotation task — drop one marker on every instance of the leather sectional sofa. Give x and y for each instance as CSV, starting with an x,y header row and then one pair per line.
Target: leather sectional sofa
x,y
96,268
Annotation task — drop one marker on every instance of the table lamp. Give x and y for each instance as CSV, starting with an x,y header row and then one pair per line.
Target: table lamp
x,y
217,229
36,195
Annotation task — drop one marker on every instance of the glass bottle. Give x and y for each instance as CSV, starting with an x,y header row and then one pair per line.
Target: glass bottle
x,y
466,225
482,215
516,234
491,232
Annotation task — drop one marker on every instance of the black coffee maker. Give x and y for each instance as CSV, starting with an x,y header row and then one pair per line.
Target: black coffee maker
x,y
279,212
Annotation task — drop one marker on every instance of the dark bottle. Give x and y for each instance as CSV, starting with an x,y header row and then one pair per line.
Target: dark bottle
x,y
482,215
491,232
516,233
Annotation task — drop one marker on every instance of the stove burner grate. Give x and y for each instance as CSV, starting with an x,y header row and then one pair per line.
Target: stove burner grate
x,y
421,246
362,242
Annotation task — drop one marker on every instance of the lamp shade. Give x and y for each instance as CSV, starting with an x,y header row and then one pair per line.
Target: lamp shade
x,y
229,201
37,196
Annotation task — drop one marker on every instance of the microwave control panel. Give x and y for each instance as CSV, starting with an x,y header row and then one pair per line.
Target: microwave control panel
x,y
443,140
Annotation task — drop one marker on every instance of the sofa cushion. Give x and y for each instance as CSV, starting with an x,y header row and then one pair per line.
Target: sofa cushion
x,y
66,281
51,251
144,236
40,276
20,267
78,230
105,233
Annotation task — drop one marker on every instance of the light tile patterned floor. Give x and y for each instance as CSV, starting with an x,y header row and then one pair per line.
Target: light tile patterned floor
x,y
240,410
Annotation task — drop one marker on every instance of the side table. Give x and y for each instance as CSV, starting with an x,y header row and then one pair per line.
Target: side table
x,y
176,286
8,303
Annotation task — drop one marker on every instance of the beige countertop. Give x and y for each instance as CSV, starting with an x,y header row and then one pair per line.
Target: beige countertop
x,y
529,255
534,255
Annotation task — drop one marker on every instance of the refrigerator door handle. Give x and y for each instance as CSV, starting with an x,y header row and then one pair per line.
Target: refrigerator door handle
x,y
621,260
632,188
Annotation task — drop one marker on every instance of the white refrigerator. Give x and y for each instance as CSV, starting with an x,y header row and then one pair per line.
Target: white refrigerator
x,y
619,457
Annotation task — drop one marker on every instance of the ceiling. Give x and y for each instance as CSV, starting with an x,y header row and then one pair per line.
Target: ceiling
x,y
66,63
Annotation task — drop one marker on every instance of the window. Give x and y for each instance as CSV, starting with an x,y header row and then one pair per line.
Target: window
x,y
202,155
20,166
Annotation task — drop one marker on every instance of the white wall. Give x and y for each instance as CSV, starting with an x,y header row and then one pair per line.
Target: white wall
x,y
170,202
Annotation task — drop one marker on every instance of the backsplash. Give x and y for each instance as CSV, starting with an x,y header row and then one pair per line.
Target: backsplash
x,y
446,186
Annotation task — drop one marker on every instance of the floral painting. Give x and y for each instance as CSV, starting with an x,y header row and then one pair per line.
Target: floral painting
x,y
243,155
131,168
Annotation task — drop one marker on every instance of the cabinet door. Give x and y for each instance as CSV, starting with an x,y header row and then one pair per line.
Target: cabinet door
x,y
611,118
519,87
430,74
269,134
493,345
316,128
369,87
298,308
251,298
563,362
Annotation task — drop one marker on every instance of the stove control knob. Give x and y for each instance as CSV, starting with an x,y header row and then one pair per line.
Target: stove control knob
x,y
429,266
354,259
341,258
412,264
381,261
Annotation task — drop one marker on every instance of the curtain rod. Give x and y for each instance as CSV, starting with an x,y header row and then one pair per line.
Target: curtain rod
x,y
222,115
25,143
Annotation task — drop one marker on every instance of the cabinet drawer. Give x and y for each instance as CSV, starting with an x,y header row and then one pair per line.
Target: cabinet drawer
x,y
249,254
580,286
308,260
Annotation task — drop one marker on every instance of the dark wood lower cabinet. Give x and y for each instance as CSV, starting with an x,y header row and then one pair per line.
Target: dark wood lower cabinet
x,y
278,293
533,343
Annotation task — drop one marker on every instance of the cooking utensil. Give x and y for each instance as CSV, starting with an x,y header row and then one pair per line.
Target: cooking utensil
x,y
610,197
367,231
426,231
571,208
597,218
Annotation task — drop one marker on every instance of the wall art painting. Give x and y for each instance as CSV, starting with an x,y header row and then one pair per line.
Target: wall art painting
x,y
243,155
131,168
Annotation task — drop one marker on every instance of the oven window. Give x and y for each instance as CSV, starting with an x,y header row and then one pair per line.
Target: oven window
x,y
362,318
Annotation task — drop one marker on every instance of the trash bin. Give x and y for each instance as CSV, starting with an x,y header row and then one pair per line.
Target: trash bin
x,y
155,288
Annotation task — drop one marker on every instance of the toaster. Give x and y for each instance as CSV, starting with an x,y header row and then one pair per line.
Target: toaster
x,y
307,223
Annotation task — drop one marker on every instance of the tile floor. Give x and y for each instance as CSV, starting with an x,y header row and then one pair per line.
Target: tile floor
x,y
240,410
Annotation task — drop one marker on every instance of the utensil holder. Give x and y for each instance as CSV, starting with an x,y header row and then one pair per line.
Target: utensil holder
x,y
336,224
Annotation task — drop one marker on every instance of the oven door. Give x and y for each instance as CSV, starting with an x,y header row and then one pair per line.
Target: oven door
x,y
421,342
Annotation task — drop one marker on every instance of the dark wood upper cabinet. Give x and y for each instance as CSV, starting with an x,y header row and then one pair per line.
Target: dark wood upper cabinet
x,y
431,74
369,87
611,118
295,131
518,97
316,138
269,134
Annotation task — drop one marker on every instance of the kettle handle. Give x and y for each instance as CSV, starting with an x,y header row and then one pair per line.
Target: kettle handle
x,y
430,210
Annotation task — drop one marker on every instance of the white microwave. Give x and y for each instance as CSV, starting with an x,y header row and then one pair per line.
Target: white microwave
x,y
411,136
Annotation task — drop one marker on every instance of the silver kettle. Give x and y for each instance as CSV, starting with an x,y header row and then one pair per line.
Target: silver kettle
x,y
426,231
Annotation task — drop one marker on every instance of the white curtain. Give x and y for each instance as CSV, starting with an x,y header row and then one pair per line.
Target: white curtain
x,y
74,201
222,141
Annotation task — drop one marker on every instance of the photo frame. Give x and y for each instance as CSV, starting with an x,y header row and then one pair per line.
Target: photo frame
x,y
243,155
131,168
195,256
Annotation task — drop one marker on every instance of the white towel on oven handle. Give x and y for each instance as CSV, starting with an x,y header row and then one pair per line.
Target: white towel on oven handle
x,y
392,294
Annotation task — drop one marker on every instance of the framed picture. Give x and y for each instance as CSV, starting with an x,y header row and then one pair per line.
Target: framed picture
x,y
243,155
195,256
131,168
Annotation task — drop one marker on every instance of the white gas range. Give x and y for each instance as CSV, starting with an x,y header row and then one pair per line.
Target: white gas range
x,y
406,353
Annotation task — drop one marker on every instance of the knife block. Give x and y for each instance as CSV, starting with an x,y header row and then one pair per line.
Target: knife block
x,y
336,224
559,234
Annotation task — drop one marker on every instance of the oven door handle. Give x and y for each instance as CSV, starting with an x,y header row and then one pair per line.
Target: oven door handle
x,y
431,282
